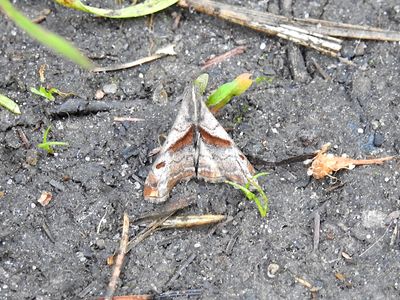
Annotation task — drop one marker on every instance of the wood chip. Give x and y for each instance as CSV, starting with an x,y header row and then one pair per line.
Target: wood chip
x,y
45,198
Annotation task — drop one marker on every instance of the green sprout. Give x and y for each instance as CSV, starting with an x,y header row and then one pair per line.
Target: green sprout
x,y
227,91
262,203
47,94
48,146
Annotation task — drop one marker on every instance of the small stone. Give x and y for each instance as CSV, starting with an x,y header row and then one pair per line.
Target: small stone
x,y
99,95
272,270
160,96
31,157
378,139
197,245
110,88
57,185
360,130
360,49
87,158
136,185
375,124
347,51
263,46
33,205
100,243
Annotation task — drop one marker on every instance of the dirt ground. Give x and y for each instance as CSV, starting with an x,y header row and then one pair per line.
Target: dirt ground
x,y
60,251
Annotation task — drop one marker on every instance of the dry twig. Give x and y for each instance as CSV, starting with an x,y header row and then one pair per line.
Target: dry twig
x,y
220,58
166,51
120,259
316,34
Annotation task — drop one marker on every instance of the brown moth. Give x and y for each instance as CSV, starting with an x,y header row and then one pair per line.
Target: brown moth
x,y
197,146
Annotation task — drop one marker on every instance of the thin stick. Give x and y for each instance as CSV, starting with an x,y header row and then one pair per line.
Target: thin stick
x,y
120,259
169,50
23,138
377,241
147,232
220,58
182,268
317,226
128,119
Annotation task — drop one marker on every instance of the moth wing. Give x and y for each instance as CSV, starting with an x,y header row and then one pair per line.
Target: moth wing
x,y
219,158
176,160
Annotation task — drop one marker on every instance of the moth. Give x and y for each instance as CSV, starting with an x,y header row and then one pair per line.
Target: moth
x,y
196,147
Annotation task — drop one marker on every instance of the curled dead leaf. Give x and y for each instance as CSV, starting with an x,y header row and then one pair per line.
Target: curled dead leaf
x,y
325,164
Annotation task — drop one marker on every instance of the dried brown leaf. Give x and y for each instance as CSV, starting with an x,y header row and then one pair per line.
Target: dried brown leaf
x,y
325,164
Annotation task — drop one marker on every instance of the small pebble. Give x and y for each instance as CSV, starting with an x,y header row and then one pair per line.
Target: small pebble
x,y
375,124
100,243
110,88
263,46
272,270
378,139
99,94
87,158
360,49
136,185
33,205
197,245
360,130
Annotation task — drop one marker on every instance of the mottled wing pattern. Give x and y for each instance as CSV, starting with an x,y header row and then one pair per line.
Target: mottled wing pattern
x,y
176,160
219,158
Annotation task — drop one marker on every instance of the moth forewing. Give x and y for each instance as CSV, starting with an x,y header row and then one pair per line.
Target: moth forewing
x,y
175,161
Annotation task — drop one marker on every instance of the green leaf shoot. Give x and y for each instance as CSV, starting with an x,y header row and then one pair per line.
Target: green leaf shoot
x,y
261,200
48,146
201,82
142,9
45,37
225,92
9,104
43,92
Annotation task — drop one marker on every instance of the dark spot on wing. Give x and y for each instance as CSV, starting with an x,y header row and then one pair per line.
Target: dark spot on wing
x,y
184,141
213,140
160,165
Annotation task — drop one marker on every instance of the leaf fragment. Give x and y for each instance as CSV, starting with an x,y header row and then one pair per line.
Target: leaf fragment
x,y
9,104
142,9
325,164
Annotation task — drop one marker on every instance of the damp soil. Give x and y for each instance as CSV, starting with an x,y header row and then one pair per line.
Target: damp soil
x,y
60,251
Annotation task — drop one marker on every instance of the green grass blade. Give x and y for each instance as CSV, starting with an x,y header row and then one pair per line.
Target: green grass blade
x,y
46,133
142,9
9,104
45,37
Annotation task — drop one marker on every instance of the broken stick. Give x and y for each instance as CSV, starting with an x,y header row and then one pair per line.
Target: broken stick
x,y
120,259
320,35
